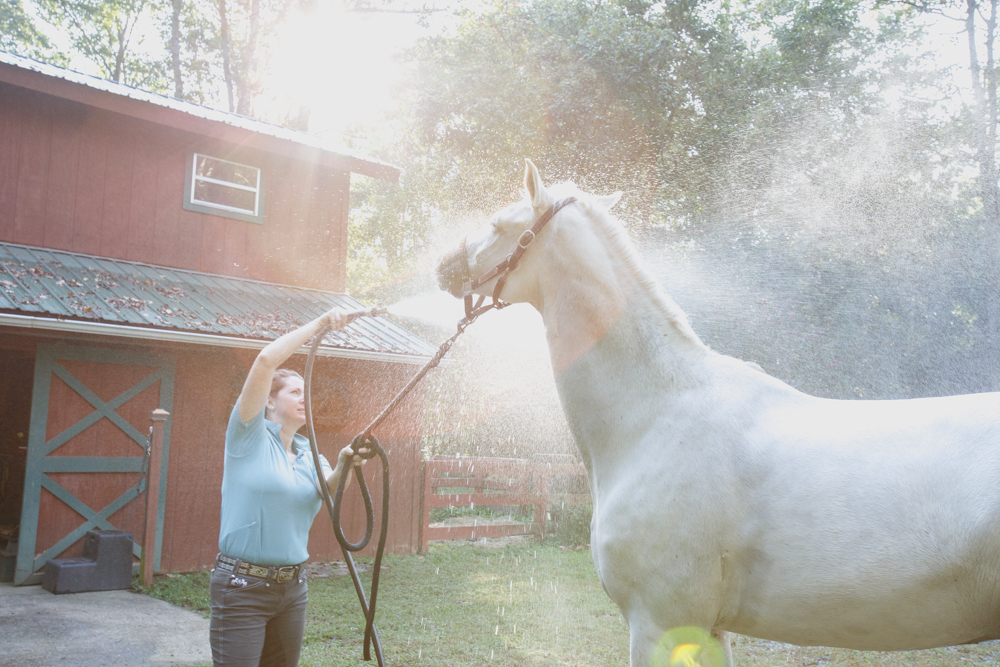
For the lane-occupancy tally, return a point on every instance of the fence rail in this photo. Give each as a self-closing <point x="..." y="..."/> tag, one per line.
<point x="496" y="482"/>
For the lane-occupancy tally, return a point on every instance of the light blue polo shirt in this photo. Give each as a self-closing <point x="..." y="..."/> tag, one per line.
<point x="268" y="502"/>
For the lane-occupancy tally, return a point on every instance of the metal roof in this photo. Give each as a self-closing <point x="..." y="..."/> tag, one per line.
<point x="54" y="289"/>
<point x="205" y="113"/>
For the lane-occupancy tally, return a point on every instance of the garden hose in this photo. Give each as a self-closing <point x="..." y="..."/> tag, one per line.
<point x="363" y="440"/>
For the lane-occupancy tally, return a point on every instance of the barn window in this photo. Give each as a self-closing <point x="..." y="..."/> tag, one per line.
<point x="222" y="187"/>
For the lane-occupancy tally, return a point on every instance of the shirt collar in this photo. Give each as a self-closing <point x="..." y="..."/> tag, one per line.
<point x="300" y="443"/>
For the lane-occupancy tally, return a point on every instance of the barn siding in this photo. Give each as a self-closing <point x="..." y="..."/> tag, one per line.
<point x="206" y="383"/>
<point x="31" y="176"/>
<point x="88" y="204"/>
<point x="10" y="154"/>
<point x="93" y="181"/>
<point x="96" y="182"/>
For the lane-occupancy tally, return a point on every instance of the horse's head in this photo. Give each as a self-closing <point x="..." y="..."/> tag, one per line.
<point x="508" y="233"/>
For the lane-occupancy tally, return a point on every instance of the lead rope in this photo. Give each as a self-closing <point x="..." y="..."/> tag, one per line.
<point x="367" y="439"/>
<point x="362" y="440"/>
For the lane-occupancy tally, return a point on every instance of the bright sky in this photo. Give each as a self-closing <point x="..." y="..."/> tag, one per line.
<point x="342" y="65"/>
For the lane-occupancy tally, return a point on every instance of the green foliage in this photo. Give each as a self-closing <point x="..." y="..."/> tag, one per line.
<point x="253" y="28"/>
<point x="678" y="104"/>
<point x="519" y="514"/>
<point x="185" y="590"/>
<point x="570" y="525"/>
<point x="199" y="50"/>
<point x="103" y="31"/>
<point x="18" y="34"/>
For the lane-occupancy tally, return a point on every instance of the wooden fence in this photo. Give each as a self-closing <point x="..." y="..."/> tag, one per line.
<point x="539" y="483"/>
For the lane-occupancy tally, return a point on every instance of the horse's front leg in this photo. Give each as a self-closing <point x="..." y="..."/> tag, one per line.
<point x="644" y="635"/>
<point x="725" y="639"/>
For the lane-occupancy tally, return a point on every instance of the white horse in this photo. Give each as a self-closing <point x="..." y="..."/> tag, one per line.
<point x="726" y="499"/>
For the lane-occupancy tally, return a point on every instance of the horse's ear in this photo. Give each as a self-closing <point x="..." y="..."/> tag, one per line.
<point x="533" y="184"/>
<point x="608" y="201"/>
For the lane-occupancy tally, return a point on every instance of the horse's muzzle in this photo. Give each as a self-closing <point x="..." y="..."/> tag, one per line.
<point x="453" y="270"/>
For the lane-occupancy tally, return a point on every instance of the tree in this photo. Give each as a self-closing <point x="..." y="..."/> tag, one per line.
<point x="18" y="34"/>
<point x="979" y="22"/>
<point x="103" y="32"/>
<point x="194" y="47"/>
<point x="680" y="104"/>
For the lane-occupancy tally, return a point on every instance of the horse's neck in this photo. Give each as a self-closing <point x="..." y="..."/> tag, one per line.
<point x="621" y="350"/>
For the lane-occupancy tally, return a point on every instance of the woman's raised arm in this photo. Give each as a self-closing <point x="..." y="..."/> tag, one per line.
<point x="257" y="386"/>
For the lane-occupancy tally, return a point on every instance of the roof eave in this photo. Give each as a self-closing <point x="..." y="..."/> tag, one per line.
<point x="58" y="325"/>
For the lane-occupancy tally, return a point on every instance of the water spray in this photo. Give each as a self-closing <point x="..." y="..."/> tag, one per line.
<point x="366" y="439"/>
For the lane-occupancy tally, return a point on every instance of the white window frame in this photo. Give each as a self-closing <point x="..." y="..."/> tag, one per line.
<point x="191" y="203"/>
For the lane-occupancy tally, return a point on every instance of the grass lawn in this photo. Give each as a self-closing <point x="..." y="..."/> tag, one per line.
<point x="528" y="603"/>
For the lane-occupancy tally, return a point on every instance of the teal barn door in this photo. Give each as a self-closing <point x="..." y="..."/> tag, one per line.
<point x="89" y="426"/>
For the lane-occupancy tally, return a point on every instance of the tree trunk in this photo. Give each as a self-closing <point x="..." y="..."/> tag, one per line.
<point x="990" y="187"/>
<point x="120" y="56"/>
<point x="984" y="86"/>
<point x="985" y="95"/>
<point x="248" y="73"/>
<point x="226" y="71"/>
<point x="175" y="48"/>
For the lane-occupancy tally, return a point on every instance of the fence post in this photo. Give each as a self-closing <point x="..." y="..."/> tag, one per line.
<point x="542" y="496"/>
<point x="425" y="518"/>
<point x="158" y="417"/>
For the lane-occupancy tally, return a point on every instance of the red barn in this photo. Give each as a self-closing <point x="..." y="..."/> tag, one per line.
<point x="148" y="249"/>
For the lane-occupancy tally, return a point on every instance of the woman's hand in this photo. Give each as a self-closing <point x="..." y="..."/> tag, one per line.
<point x="348" y="458"/>
<point x="257" y="387"/>
<point x="336" y="318"/>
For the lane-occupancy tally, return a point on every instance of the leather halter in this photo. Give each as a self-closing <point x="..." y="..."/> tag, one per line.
<point x="504" y="268"/>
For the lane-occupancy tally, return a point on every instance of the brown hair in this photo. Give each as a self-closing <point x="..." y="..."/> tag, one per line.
<point x="280" y="378"/>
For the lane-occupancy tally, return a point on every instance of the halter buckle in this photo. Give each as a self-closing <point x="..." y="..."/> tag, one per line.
<point x="525" y="239"/>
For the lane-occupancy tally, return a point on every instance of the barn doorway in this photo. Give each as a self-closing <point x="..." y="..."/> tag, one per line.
<point x="16" y="372"/>
<point x="85" y="463"/>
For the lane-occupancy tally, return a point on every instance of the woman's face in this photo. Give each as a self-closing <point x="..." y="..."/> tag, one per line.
<point x="288" y="407"/>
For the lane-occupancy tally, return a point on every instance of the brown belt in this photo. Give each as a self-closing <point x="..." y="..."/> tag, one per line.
<point x="275" y="573"/>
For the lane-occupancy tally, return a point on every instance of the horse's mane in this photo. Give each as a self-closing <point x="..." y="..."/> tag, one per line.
<point x="621" y="245"/>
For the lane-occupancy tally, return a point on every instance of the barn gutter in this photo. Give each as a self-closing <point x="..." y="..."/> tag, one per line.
<point x="169" y="336"/>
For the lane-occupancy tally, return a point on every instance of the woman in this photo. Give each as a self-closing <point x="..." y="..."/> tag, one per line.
<point x="270" y="496"/>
